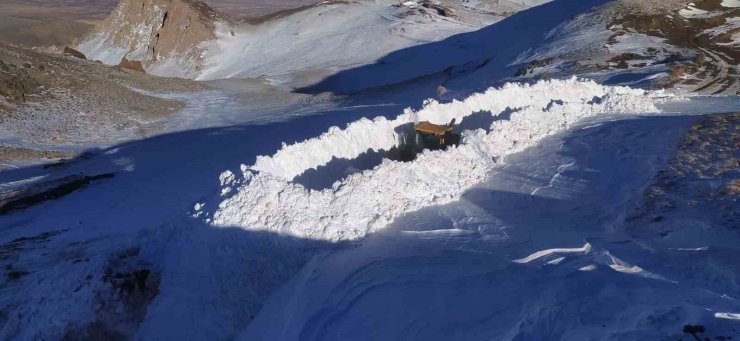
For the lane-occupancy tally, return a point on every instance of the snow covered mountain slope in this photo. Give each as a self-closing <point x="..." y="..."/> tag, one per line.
<point x="322" y="39"/>
<point x="486" y="52"/>
<point x="623" y="42"/>
<point x="348" y="47"/>
<point x="52" y="102"/>
<point x="646" y="44"/>
<point x="298" y="48"/>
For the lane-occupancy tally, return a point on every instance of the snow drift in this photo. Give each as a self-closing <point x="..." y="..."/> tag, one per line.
<point x="264" y="198"/>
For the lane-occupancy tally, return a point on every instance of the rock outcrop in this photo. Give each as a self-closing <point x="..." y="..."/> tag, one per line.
<point x="134" y="65"/>
<point x="68" y="51"/>
<point x="167" y="36"/>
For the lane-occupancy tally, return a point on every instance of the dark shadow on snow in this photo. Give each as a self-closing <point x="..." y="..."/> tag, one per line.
<point x="325" y="176"/>
<point x="491" y="48"/>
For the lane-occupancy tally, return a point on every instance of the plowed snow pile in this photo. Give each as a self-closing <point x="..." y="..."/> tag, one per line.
<point x="264" y="198"/>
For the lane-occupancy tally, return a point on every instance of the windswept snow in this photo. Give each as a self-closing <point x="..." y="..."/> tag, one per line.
<point x="265" y="199"/>
<point x="578" y="277"/>
<point x="326" y="37"/>
<point x="542" y="253"/>
<point x="729" y="316"/>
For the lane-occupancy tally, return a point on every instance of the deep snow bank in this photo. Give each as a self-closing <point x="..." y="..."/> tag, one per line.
<point x="263" y="198"/>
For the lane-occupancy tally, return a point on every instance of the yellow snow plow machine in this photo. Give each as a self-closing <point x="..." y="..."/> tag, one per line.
<point x="423" y="135"/>
<point x="435" y="136"/>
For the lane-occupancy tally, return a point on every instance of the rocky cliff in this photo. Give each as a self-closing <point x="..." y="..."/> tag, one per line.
<point x="166" y="36"/>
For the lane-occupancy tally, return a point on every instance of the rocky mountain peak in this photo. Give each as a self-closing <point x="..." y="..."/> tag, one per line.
<point x="161" y="34"/>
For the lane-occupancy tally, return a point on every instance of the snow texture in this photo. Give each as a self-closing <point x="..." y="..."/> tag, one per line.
<point x="265" y="199"/>
<point x="328" y="36"/>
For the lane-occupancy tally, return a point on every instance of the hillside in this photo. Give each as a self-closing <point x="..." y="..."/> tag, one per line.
<point x="375" y="170"/>
<point x="52" y="102"/>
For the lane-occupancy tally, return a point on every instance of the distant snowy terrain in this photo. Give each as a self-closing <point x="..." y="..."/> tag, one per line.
<point x="297" y="48"/>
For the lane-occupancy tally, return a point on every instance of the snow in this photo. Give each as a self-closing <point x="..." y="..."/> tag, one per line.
<point x="300" y="49"/>
<point x="730" y="3"/>
<point x="691" y="12"/>
<point x="553" y="266"/>
<point x="515" y="234"/>
<point x="348" y="35"/>
<point x="731" y="25"/>
<point x="542" y="253"/>
<point x="578" y="282"/>
<point x="729" y="316"/>
<point x="585" y="33"/>
<point x="97" y="47"/>
<point x="266" y="199"/>
<point x="133" y="44"/>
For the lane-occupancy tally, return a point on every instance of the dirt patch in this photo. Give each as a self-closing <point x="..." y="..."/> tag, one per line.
<point x="47" y="99"/>
<point x="717" y="60"/>
<point x="702" y="177"/>
<point x="9" y="252"/>
<point x="732" y="188"/>
<point x="18" y="154"/>
<point x="20" y="199"/>
<point x="533" y="65"/>
<point x="120" y="305"/>
<point x="68" y="51"/>
<point x="96" y="330"/>
<point x="16" y="82"/>
<point x="134" y="65"/>
<point x="441" y="10"/>
<point x="12" y="274"/>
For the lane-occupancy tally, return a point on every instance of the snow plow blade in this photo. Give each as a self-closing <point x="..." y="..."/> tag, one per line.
<point x="426" y="127"/>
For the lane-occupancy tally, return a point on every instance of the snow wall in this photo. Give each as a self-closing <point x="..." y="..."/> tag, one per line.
<point x="264" y="198"/>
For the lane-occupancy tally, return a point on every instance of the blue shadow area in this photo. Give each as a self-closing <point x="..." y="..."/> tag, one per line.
<point x="491" y="49"/>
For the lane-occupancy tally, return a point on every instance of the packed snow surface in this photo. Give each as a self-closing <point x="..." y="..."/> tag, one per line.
<point x="264" y="198"/>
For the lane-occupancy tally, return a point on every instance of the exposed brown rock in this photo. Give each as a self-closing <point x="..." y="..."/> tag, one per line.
<point x="15" y="154"/>
<point x="154" y="30"/>
<point x="677" y="72"/>
<point x="73" y="100"/>
<point x="16" y="83"/>
<point x="732" y="188"/>
<point x="441" y="10"/>
<point x="131" y="65"/>
<point x="662" y="19"/>
<point x="699" y="60"/>
<point x="68" y="51"/>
